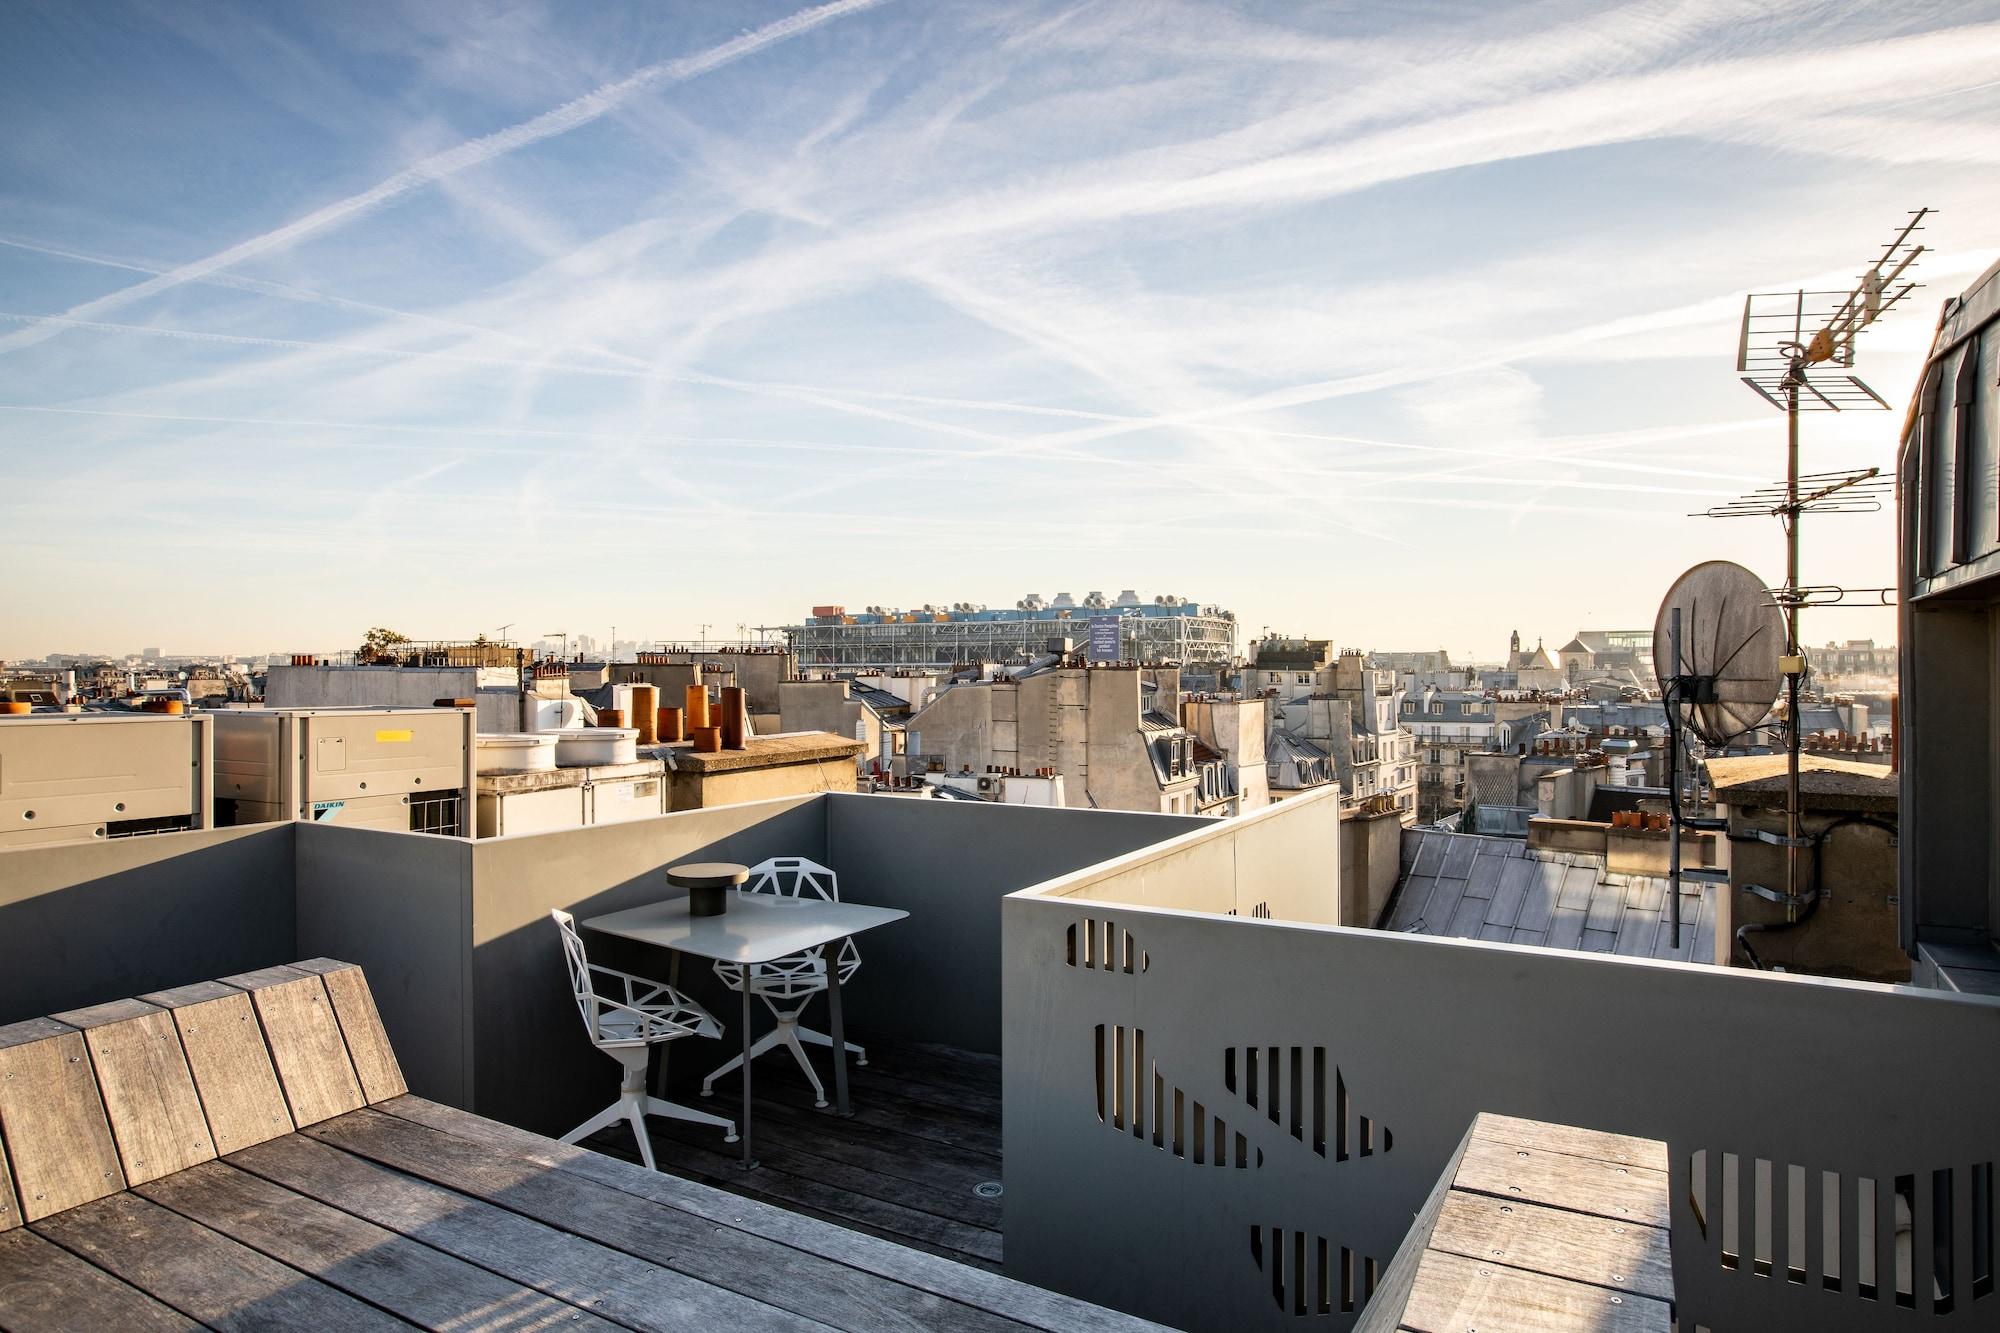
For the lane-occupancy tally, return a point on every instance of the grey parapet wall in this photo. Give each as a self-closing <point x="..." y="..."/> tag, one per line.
<point x="1798" y="1105"/>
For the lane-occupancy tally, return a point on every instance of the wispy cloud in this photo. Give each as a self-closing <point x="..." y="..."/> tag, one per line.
<point x="1285" y="309"/>
<point x="571" y="115"/>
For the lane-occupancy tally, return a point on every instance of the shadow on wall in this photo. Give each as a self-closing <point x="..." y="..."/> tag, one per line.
<point x="84" y="923"/>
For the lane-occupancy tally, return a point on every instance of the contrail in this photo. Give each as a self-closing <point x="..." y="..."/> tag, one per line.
<point x="570" y="115"/>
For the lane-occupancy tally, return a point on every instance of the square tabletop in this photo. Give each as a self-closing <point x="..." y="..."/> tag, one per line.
<point x="757" y="928"/>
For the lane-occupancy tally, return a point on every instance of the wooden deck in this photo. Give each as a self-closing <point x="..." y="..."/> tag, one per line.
<point x="1537" y="1227"/>
<point x="924" y="1135"/>
<point x="242" y="1156"/>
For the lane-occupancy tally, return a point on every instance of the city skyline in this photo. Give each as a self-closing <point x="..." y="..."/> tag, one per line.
<point x="1407" y="327"/>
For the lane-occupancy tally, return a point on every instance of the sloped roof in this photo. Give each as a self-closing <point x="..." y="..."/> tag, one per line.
<point x="1463" y="886"/>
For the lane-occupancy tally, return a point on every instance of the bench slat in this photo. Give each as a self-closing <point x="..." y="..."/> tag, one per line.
<point x="53" y="1119"/>
<point x="46" y="1288"/>
<point x="630" y="1290"/>
<point x="1035" y="1306"/>
<point x="361" y="1024"/>
<point x="10" y="1206"/>
<point x="148" y="1091"/>
<point x="231" y="1064"/>
<point x="830" y="1292"/>
<point x="207" y="1277"/>
<point x="305" y="1041"/>
<point x="412" y="1280"/>
<point x="1453" y="1292"/>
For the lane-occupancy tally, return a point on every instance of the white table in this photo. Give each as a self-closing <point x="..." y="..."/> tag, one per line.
<point x="757" y="928"/>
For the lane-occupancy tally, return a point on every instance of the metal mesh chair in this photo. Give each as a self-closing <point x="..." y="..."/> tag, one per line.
<point x="626" y="1028"/>
<point x="787" y="985"/>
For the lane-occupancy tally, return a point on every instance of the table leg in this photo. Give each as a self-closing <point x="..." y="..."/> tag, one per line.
<point x="839" y="1027"/>
<point x="749" y="1162"/>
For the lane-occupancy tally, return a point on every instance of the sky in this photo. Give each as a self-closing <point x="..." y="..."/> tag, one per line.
<point x="1402" y="324"/>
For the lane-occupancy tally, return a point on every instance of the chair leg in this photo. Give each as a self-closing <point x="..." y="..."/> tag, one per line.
<point x="735" y="1062"/>
<point x="792" y="1034"/>
<point x="635" y="1111"/>
<point x="630" y="1106"/>
<point x="821" y="1039"/>
<point x="675" y="1111"/>
<point x="610" y="1115"/>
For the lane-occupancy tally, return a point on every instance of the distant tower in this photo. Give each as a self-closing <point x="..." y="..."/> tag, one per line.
<point x="1514" y="648"/>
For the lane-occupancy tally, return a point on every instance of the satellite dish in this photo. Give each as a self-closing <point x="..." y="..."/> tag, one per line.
<point x="1731" y="636"/>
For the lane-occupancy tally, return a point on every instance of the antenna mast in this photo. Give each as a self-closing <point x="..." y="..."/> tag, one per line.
<point x="1788" y="342"/>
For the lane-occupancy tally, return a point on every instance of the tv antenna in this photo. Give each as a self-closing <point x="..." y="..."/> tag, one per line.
<point x="1792" y="352"/>
<point x="1716" y="647"/>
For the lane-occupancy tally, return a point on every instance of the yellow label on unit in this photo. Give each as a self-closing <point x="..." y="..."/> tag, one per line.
<point x="392" y="737"/>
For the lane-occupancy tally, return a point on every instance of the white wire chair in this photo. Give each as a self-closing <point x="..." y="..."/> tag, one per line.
<point x="644" y="1014"/>
<point x="787" y="985"/>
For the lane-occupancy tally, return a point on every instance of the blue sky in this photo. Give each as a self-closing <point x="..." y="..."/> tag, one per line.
<point x="1405" y="324"/>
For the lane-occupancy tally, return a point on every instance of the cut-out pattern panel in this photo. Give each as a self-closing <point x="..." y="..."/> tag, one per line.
<point x="1290" y="1085"/>
<point x="1103" y="946"/>
<point x="1310" y="1275"/>
<point x="1921" y="1240"/>
<point x="1134" y="1097"/>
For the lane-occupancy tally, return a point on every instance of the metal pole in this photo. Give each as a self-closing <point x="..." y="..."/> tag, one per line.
<point x="1792" y="648"/>
<point x="1674" y="777"/>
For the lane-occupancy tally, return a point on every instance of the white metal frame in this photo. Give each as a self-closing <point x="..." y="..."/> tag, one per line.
<point x="787" y="985"/>
<point x="646" y="1013"/>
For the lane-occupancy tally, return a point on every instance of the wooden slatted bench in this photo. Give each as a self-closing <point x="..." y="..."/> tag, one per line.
<point x="1536" y="1226"/>
<point x="244" y="1153"/>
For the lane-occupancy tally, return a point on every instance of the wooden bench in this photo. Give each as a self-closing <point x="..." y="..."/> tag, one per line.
<point x="245" y="1153"/>
<point x="1536" y="1226"/>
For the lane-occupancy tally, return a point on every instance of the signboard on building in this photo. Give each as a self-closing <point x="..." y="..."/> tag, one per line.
<point x="1104" y="639"/>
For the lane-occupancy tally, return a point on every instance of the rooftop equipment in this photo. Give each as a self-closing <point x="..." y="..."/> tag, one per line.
<point x="408" y="769"/>
<point x="1789" y="344"/>
<point x="1721" y="638"/>
<point x="85" y="776"/>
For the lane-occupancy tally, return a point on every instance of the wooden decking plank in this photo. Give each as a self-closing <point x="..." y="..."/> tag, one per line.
<point x="1625" y="1256"/>
<point x="52" y="1119"/>
<point x="148" y="1091"/>
<point x="890" y="1072"/>
<point x="46" y="1288"/>
<point x="1623" y="1194"/>
<point x="882" y="1166"/>
<point x="306" y="1046"/>
<point x="205" y="1276"/>
<point x="1623" y="1149"/>
<point x="426" y="1286"/>
<point x="1453" y="1294"/>
<point x="788" y="1175"/>
<point x="742" y="1262"/>
<point x="961" y="1130"/>
<point x="869" y="1146"/>
<point x="885" y="1110"/>
<point x="746" y="1187"/>
<point x="361" y="1024"/>
<point x="1017" y="1300"/>
<point x="575" y="1269"/>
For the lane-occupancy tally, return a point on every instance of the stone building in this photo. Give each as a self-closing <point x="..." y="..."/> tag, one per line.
<point x="1111" y="731"/>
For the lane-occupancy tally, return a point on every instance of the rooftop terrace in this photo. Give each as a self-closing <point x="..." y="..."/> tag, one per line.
<point x="1192" y="1050"/>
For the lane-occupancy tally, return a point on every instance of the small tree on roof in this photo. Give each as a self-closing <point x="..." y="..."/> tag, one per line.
<point x="378" y="642"/>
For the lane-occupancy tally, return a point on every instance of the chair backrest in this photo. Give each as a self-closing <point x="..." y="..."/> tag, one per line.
<point x="791" y="876"/>
<point x="579" y="968"/>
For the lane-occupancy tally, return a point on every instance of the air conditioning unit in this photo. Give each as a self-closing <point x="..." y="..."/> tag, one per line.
<point x="79" y="777"/>
<point x="408" y="769"/>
